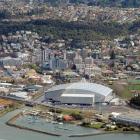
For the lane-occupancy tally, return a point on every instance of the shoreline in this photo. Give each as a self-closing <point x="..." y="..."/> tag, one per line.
<point x="11" y="123"/>
<point x="33" y="130"/>
<point x="105" y="133"/>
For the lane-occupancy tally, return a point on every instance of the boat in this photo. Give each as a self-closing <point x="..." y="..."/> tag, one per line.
<point x="60" y="123"/>
<point x="54" y="122"/>
<point x="48" y="121"/>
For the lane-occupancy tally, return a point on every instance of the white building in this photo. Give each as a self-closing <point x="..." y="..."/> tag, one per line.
<point x="93" y="71"/>
<point x="20" y="94"/>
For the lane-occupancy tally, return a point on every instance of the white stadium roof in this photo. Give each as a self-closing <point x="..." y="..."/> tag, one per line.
<point x="85" y="86"/>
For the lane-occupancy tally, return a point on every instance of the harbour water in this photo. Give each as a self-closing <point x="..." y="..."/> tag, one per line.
<point x="11" y="133"/>
<point x="50" y="127"/>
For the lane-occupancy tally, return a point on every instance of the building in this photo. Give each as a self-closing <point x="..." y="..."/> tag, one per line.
<point x="9" y="61"/>
<point x="93" y="71"/>
<point x="78" y="61"/>
<point x="36" y="57"/>
<point x="89" y="61"/>
<point x="79" y="93"/>
<point x="84" y="53"/>
<point x="125" y="120"/>
<point x="96" y="54"/>
<point x="20" y="95"/>
<point x="57" y="63"/>
<point x="46" y="54"/>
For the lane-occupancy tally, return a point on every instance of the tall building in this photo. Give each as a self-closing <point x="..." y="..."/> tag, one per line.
<point x="58" y="63"/>
<point x="84" y="53"/>
<point x="88" y="65"/>
<point x="46" y="54"/>
<point x="78" y="61"/>
<point x="65" y="55"/>
<point x="37" y="56"/>
<point x="88" y="61"/>
<point x="70" y="55"/>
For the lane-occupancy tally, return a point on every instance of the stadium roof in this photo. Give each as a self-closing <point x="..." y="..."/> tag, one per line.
<point x="85" y="86"/>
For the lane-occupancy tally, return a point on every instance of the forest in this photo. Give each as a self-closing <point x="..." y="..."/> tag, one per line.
<point x="72" y="30"/>
<point x="117" y="3"/>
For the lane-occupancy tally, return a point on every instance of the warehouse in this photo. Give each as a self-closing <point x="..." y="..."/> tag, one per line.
<point x="79" y="93"/>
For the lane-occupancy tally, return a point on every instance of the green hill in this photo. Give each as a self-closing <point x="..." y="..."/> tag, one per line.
<point x="118" y="3"/>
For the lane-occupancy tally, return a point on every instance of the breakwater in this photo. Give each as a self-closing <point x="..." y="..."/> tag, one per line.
<point x="11" y="123"/>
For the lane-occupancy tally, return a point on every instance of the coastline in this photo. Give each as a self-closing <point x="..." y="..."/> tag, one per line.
<point x="105" y="133"/>
<point x="11" y="123"/>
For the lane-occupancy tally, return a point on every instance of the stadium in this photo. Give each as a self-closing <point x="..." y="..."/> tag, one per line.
<point x="80" y="93"/>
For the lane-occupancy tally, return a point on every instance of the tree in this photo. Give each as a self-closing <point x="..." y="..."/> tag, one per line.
<point x="112" y="55"/>
<point x="77" y="116"/>
<point x="73" y="67"/>
<point x="135" y="101"/>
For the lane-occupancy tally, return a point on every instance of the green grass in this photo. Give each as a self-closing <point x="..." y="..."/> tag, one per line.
<point x="134" y="87"/>
<point x="96" y="125"/>
<point x="64" y="111"/>
<point x="70" y="111"/>
<point x="126" y="94"/>
<point x="134" y="81"/>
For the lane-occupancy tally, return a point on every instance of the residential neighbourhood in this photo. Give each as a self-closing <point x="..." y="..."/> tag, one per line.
<point x="69" y="70"/>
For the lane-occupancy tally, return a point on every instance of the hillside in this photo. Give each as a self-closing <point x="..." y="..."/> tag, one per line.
<point x="118" y="3"/>
<point x="73" y="30"/>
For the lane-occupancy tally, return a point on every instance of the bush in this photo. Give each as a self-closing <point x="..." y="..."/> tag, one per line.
<point x="127" y="129"/>
<point x="86" y="124"/>
<point x="53" y="110"/>
<point x="76" y="116"/>
<point x="132" y="129"/>
<point x="135" y="100"/>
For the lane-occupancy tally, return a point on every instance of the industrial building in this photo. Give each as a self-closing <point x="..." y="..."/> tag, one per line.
<point x="79" y="93"/>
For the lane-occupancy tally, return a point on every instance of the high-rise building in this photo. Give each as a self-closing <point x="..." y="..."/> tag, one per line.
<point x="58" y="63"/>
<point x="37" y="56"/>
<point x="46" y="54"/>
<point x="78" y="59"/>
<point x="89" y="61"/>
<point x="84" y="53"/>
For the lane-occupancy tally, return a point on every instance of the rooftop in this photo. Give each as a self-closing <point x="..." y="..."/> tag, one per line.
<point x="84" y="85"/>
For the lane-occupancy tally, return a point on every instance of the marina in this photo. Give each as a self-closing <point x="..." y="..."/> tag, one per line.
<point x="10" y="133"/>
<point x="53" y="127"/>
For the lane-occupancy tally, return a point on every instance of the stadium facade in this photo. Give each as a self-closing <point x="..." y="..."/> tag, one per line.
<point x="80" y="93"/>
